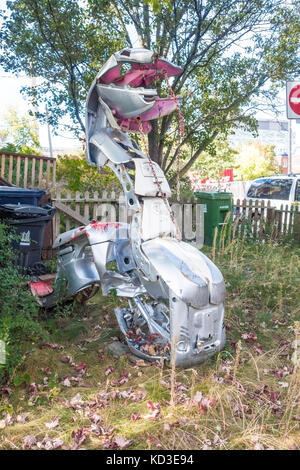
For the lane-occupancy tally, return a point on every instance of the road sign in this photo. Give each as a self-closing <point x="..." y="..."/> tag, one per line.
<point x="293" y="100"/>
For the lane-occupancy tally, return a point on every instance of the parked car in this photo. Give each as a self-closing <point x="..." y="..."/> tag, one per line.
<point x="278" y="189"/>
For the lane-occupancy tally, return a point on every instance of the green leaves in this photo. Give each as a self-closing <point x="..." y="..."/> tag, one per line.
<point x="255" y="159"/>
<point x="78" y="175"/>
<point x="217" y="157"/>
<point x="58" y="41"/>
<point x="22" y="131"/>
<point x="18" y="310"/>
<point x="21" y="378"/>
<point x="231" y="52"/>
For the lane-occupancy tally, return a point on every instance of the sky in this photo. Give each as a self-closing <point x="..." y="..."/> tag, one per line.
<point x="10" y="96"/>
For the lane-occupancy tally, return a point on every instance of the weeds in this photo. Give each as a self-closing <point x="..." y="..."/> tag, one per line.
<point x="18" y="310"/>
<point x="246" y="397"/>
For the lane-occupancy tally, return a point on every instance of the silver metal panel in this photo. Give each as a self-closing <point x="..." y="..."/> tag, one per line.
<point x="175" y="293"/>
<point x="145" y="184"/>
<point x="126" y="100"/>
<point x="109" y="148"/>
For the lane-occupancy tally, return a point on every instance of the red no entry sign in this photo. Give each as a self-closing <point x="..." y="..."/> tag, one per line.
<point x="293" y="100"/>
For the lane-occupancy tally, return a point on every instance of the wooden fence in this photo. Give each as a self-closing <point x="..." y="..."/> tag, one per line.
<point x="252" y="219"/>
<point x="255" y="219"/>
<point x="28" y="171"/>
<point x="74" y="210"/>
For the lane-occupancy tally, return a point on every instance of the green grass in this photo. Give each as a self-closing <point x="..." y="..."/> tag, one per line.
<point x="253" y="405"/>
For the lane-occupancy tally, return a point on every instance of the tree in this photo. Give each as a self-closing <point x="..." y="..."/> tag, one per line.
<point x="78" y="175"/>
<point x="234" y="54"/>
<point x="255" y="159"/>
<point x="215" y="159"/>
<point x="20" y="134"/>
<point x="62" y="43"/>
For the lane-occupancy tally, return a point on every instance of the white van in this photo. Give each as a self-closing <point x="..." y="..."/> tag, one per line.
<point x="278" y="189"/>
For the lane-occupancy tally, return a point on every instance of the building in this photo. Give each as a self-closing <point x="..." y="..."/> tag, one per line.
<point x="271" y="132"/>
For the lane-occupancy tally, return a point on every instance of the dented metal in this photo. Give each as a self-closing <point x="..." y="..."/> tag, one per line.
<point x="176" y="294"/>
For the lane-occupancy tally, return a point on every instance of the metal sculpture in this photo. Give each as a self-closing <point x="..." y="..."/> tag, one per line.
<point x="175" y="293"/>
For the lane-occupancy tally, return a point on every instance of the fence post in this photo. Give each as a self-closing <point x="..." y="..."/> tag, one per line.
<point x="54" y="173"/>
<point x="95" y="204"/>
<point x="297" y="225"/>
<point x="10" y="171"/>
<point x="56" y="222"/>
<point x="262" y="219"/>
<point x="3" y="159"/>
<point x="18" y="174"/>
<point x="25" y="172"/>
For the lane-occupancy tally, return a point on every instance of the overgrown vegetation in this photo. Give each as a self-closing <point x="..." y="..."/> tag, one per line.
<point x="249" y="161"/>
<point x="247" y="397"/>
<point x="77" y="175"/>
<point x="256" y="159"/>
<point x="19" y="328"/>
<point x="215" y="160"/>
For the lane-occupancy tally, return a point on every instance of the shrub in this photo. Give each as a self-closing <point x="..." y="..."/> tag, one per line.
<point x="18" y="309"/>
<point x="78" y="175"/>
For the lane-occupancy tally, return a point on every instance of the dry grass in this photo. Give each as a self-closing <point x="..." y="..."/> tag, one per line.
<point x="247" y="397"/>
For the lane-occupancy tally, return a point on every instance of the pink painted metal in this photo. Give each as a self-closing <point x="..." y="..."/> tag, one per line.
<point x="40" y="289"/>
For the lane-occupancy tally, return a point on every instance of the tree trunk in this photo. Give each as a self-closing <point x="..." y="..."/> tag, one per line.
<point x="153" y="141"/>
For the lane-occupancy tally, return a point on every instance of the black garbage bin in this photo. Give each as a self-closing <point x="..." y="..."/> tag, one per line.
<point x="11" y="195"/>
<point x="29" y="224"/>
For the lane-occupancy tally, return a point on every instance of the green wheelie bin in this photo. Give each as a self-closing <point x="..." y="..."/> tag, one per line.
<point x="216" y="206"/>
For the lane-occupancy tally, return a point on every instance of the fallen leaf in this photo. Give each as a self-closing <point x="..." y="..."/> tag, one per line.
<point x="154" y="409"/>
<point x="29" y="441"/>
<point x="151" y="350"/>
<point x="259" y="446"/>
<point x="95" y="418"/>
<point x="81" y="367"/>
<point x="249" y="337"/>
<point x="109" y="370"/>
<point x="79" y="437"/>
<point x="53" y="424"/>
<point x="22" y="418"/>
<point x="52" y="444"/>
<point x="135" y="416"/>
<point x="141" y="363"/>
<point x="34" y="389"/>
<point x="68" y="360"/>
<point x="9" y="420"/>
<point x="53" y="345"/>
<point x="122" y="442"/>
<point x="283" y="384"/>
<point x="66" y="382"/>
<point x="100" y="355"/>
<point x="76" y="400"/>
<point x="197" y="397"/>
<point x="152" y="440"/>
<point x="5" y="390"/>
